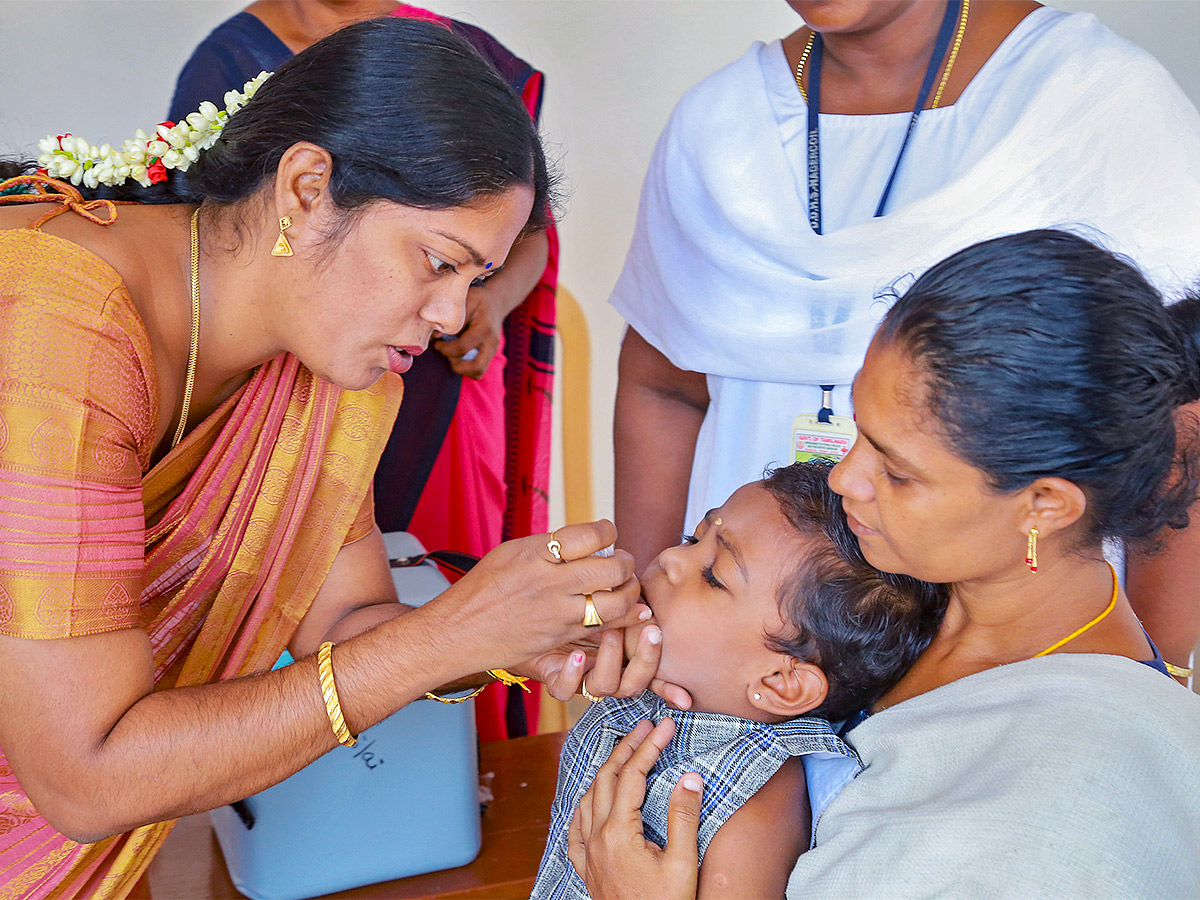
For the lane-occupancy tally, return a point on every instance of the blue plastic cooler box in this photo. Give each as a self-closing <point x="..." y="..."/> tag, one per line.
<point x="403" y="802"/>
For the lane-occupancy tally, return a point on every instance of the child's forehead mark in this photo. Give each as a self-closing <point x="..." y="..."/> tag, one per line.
<point x="724" y="543"/>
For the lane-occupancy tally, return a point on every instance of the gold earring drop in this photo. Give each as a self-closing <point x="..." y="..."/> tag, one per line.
<point x="282" y="247"/>
<point x="1031" y="553"/>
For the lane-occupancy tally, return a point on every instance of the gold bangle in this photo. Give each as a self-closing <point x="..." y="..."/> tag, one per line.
<point x="430" y="695"/>
<point x="501" y="675"/>
<point x="329" y="690"/>
<point x="1177" y="671"/>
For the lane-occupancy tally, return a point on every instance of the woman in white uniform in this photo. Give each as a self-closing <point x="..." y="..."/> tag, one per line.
<point x="763" y="243"/>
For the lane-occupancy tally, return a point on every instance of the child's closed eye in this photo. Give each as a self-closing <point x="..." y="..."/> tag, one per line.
<point x="711" y="578"/>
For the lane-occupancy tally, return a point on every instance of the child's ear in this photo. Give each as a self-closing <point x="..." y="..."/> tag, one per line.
<point x="791" y="690"/>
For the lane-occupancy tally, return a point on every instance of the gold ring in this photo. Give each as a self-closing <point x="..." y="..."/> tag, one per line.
<point x="591" y="618"/>
<point x="583" y="689"/>
<point x="554" y="547"/>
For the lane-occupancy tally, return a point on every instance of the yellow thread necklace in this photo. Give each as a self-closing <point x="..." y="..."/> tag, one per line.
<point x="1096" y="621"/>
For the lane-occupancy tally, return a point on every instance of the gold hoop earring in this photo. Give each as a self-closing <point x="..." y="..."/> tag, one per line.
<point x="1031" y="553"/>
<point x="282" y="247"/>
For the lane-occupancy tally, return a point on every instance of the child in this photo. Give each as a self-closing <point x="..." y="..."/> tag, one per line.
<point x="776" y="625"/>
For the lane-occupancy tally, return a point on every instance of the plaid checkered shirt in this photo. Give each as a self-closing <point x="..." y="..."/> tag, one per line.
<point x="734" y="756"/>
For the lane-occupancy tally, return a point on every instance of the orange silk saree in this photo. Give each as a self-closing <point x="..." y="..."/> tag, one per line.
<point x="216" y="552"/>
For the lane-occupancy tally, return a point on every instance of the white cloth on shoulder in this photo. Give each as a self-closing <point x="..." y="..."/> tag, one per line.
<point x="1069" y="776"/>
<point x="1066" y="125"/>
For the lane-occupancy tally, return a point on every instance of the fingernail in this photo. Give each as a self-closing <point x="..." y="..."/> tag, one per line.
<point x="577" y="659"/>
<point x="654" y="635"/>
<point x="691" y="782"/>
<point x="645" y="613"/>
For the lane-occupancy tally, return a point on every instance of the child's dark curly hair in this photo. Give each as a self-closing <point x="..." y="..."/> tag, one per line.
<point x="863" y="627"/>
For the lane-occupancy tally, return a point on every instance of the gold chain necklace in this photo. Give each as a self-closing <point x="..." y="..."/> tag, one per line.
<point x="937" y="98"/>
<point x="1096" y="621"/>
<point x="195" y="350"/>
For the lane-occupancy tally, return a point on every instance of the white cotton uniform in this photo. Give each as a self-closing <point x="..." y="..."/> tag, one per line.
<point x="726" y="277"/>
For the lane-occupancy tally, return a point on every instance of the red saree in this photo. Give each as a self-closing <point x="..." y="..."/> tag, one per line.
<point x="490" y="479"/>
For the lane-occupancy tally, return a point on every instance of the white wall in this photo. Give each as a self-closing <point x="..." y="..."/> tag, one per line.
<point x="102" y="68"/>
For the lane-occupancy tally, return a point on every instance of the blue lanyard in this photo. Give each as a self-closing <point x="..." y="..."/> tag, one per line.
<point x="826" y="409"/>
<point x="814" y="106"/>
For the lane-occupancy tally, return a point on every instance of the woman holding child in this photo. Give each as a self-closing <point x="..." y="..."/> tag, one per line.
<point x="1037" y="746"/>
<point x="193" y="400"/>
<point x="793" y="185"/>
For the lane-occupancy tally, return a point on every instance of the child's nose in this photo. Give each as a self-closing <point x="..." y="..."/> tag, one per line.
<point x="671" y="563"/>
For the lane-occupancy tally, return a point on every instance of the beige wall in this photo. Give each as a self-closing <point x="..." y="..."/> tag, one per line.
<point x="614" y="70"/>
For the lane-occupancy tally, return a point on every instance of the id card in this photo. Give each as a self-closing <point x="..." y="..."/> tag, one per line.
<point x="814" y="439"/>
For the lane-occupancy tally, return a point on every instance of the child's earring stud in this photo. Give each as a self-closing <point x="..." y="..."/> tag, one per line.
<point x="717" y="520"/>
<point x="757" y="695"/>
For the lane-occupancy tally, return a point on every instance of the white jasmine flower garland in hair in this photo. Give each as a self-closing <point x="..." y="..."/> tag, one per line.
<point x="143" y="158"/>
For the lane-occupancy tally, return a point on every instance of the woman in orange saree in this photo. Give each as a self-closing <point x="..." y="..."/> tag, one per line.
<point x="238" y="521"/>
<point x="473" y="467"/>
<point x="148" y="584"/>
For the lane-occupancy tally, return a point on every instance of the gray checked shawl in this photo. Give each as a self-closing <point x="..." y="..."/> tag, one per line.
<point x="734" y="756"/>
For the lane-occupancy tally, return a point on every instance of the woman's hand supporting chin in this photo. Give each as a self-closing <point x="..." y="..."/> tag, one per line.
<point x="607" y="844"/>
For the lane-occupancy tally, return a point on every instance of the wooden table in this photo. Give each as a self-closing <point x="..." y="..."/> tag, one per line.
<point x="515" y="824"/>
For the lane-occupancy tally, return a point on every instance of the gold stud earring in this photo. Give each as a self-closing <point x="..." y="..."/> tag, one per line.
<point x="282" y="247"/>
<point x="1031" y="553"/>
<point x="717" y="520"/>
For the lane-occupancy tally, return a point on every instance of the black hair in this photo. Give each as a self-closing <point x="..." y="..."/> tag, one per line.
<point x="1042" y="354"/>
<point x="863" y="627"/>
<point x="409" y="111"/>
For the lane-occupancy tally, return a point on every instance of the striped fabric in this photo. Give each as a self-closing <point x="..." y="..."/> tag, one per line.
<point x="734" y="756"/>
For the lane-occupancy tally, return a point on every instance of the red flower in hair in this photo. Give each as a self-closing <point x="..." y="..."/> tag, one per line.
<point x="156" y="172"/>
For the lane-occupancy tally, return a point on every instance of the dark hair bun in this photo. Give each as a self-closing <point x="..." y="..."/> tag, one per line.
<point x="409" y="111"/>
<point x="1186" y="316"/>
<point x="1046" y="355"/>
